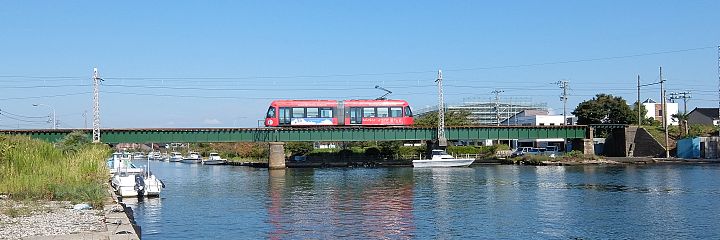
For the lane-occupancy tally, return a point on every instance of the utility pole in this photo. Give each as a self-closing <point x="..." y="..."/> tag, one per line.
<point x="442" y="141"/>
<point x="638" y="103"/>
<point x="664" y="114"/>
<point x="564" y="86"/>
<point x="681" y="95"/>
<point x="54" y="118"/>
<point x="497" y="105"/>
<point x="96" y="105"/>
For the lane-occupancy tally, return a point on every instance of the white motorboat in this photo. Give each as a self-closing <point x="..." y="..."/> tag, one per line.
<point x="128" y="184"/>
<point x="175" y="157"/>
<point x="129" y="180"/>
<point x="122" y="162"/>
<point x="152" y="185"/>
<point x="441" y="159"/>
<point x="136" y="184"/>
<point x="139" y="156"/>
<point x="155" y="156"/>
<point x="214" y="159"/>
<point x="192" y="157"/>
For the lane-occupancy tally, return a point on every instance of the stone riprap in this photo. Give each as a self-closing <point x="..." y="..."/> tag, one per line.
<point x="22" y="219"/>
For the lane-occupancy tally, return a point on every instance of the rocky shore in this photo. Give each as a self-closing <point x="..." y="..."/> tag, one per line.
<point x="21" y="219"/>
<point x="59" y="220"/>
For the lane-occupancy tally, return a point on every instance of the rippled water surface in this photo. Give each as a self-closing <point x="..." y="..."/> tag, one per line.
<point x="487" y="202"/>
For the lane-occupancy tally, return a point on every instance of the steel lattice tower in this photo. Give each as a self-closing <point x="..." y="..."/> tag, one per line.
<point x="96" y="105"/>
<point x="442" y="141"/>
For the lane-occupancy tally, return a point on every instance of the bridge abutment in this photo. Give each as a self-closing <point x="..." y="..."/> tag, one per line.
<point x="276" y="160"/>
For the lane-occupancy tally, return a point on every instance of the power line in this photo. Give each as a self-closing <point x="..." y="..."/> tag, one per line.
<point x="46" y="96"/>
<point x="231" y="97"/>
<point x="22" y="116"/>
<point x="373" y="74"/>
<point x="22" y="120"/>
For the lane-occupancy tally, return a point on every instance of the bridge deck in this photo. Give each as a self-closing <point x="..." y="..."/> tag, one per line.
<point x="146" y="135"/>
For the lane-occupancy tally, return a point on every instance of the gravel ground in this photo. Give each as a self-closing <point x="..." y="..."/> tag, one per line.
<point x="20" y="219"/>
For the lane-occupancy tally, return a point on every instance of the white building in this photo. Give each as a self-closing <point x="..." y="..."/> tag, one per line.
<point x="537" y="118"/>
<point x="654" y="110"/>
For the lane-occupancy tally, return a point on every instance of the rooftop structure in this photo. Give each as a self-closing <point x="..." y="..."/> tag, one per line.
<point x="491" y="112"/>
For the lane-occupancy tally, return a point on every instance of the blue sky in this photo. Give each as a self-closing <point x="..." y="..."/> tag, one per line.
<point x="220" y="63"/>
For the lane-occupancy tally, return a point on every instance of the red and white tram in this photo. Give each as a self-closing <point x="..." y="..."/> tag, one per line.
<point x="297" y="113"/>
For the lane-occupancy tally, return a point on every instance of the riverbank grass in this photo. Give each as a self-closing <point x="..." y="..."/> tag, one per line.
<point x="32" y="169"/>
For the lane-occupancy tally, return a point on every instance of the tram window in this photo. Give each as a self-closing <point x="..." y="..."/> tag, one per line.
<point x="326" y="113"/>
<point x="271" y="112"/>
<point x="382" y="112"/>
<point x="408" y="113"/>
<point x="395" y="112"/>
<point x="298" y="112"/>
<point x="369" y="112"/>
<point x="312" y="112"/>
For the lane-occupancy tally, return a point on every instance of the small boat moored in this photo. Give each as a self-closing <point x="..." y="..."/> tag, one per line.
<point x="214" y="159"/>
<point x="175" y="157"/>
<point x="441" y="159"/>
<point x="129" y="180"/>
<point x="192" y="157"/>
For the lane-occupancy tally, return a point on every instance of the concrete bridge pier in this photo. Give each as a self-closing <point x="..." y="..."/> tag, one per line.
<point x="276" y="160"/>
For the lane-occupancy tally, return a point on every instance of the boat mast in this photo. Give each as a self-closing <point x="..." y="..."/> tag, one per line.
<point x="442" y="141"/>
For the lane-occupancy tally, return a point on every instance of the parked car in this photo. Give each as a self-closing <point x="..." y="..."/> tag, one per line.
<point x="552" y="151"/>
<point x="521" y="151"/>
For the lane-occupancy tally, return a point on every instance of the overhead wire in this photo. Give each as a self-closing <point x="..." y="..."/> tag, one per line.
<point x="377" y="74"/>
<point x="21" y="120"/>
<point x="22" y="116"/>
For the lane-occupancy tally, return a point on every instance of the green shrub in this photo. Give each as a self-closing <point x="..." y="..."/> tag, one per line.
<point x="372" y="151"/>
<point x="35" y="169"/>
<point x="411" y="150"/>
<point x="299" y="148"/>
<point x="574" y="154"/>
<point x="536" y="160"/>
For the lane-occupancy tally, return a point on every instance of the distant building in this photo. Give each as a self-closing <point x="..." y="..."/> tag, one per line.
<point x="703" y="116"/>
<point x="654" y="110"/>
<point x="489" y="112"/>
<point x="537" y="118"/>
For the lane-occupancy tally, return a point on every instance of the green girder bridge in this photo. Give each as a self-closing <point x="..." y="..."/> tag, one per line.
<point x="157" y="135"/>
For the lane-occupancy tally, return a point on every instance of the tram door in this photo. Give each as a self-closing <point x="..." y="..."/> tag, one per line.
<point x="284" y="116"/>
<point x="355" y="115"/>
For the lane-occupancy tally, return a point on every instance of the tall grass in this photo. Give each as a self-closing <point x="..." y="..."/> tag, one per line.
<point x="35" y="169"/>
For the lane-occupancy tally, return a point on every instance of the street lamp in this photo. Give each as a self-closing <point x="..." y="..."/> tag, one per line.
<point x="54" y="120"/>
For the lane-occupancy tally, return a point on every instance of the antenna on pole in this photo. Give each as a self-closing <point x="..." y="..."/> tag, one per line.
<point x="96" y="105"/>
<point x="564" y="86"/>
<point x="442" y="141"/>
<point x="383" y="97"/>
<point x="497" y="105"/>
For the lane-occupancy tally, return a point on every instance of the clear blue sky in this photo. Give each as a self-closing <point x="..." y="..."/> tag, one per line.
<point x="220" y="63"/>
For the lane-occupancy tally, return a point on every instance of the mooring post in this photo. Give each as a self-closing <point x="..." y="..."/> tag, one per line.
<point x="276" y="160"/>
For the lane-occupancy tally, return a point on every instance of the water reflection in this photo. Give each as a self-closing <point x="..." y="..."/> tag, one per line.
<point x="150" y="210"/>
<point x="480" y="202"/>
<point x="340" y="203"/>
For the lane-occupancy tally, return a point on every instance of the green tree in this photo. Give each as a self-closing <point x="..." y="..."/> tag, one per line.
<point x="73" y="142"/>
<point x="299" y="148"/>
<point x="452" y="118"/>
<point x="643" y="112"/>
<point x="389" y="148"/>
<point x="604" y="108"/>
<point x="682" y="121"/>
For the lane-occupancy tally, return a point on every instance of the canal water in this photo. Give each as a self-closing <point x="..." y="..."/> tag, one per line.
<point x="479" y="202"/>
